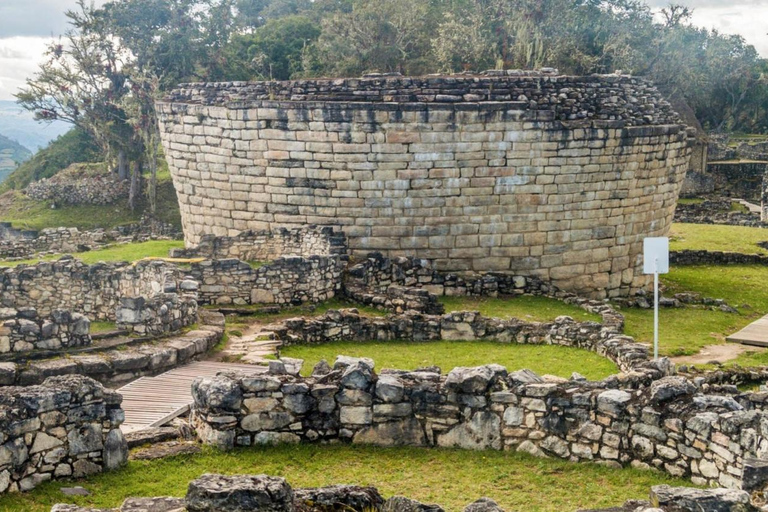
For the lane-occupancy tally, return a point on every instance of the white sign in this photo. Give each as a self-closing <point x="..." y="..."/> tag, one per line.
<point x="656" y="255"/>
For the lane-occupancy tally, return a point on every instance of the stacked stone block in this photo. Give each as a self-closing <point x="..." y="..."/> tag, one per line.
<point x="92" y="290"/>
<point x="66" y="427"/>
<point x="669" y="425"/>
<point x="264" y="246"/>
<point x="158" y="315"/>
<point x="24" y="330"/>
<point x="558" y="178"/>
<point x="284" y="281"/>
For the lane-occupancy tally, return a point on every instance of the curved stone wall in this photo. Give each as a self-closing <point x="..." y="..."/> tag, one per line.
<point x="554" y="177"/>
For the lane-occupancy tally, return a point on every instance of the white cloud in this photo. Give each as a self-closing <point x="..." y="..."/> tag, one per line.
<point x="19" y="59"/>
<point x="744" y="17"/>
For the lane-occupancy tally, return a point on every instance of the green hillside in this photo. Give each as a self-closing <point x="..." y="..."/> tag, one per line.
<point x="11" y="155"/>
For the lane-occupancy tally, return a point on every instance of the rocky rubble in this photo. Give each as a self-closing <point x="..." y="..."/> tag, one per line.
<point x="262" y="493"/>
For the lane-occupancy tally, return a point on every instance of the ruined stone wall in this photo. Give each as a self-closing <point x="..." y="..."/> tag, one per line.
<point x="264" y="246"/>
<point x="92" y="290"/>
<point x="284" y="281"/>
<point x="669" y="425"/>
<point x="65" y="427"/>
<point x="24" y="330"/>
<point x="558" y="178"/>
<point x="741" y="179"/>
<point x="157" y="315"/>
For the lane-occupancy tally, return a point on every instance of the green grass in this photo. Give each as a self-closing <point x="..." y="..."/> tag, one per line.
<point x="409" y="355"/>
<point x="122" y="252"/>
<point x="98" y="327"/>
<point x="684" y="331"/>
<point x="25" y="213"/>
<point x="718" y="238"/>
<point x="451" y="478"/>
<point x="690" y="200"/>
<point x="738" y="207"/>
<point x="524" y="307"/>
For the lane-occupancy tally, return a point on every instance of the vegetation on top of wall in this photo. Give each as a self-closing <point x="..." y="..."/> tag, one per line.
<point x="712" y="237"/>
<point x="121" y="252"/>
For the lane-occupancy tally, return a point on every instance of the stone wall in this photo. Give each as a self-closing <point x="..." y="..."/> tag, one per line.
<point x="80" y="184"/>
<point x="117" y="367"/>
<point x="689" y="257"/>
<point x="160" y="314"/>
<point x="24" y="330"/>
<point x="284" y="281"/>
<point x="92" y="290"/>
<point x="741" y="179"/>
<point x="716" y="210"/>
<point x="237" y="493"/>
<point x="65" y="427"/>
<point x="558" y="178"/>
<point x="669" y="425"/>
<point x="349" y="325"/>
<point x="268" y="245"/>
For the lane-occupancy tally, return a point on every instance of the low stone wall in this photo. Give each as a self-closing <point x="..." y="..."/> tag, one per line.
<point x="738" y="178"/>
<point x="92" y="290"/>
<point x="67" y="426"/>
<point x="161" y="314"/>
<point x="117" y="367"/>
<point x="393" y="284"/>
<point x="349" y="325"/>
<point x="715" y="211"/>
<point x="284" y="281"/>
<point x="91" y="188"/>
<point x="14" y="246"/>
<point x="688" y="257"/>
<point x="24" y="330"/>
<point x="668" y="425"/>
<point x="237" y="493"/>
<point x="269" y="245"/>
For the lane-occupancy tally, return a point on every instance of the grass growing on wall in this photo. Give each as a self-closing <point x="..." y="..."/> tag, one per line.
<point x="451" y="478"/>
<point x="710" y="237"/>
<point x="121" y="252"/>
<point x="409" y="355"/>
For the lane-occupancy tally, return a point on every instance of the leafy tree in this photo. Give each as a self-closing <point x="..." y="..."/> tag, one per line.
<point x="273" y="51"/>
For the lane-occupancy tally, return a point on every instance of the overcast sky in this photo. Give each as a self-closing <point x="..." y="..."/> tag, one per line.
<point x="27" y="25"/>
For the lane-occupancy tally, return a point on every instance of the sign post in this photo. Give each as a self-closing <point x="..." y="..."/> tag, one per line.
<point x="656" y="261"/>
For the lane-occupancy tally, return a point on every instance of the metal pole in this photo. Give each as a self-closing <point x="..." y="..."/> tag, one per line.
<point x="656" y="312"/>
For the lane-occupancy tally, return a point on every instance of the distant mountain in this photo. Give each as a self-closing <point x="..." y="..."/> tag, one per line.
<point x="20" y="125"/>
<point x="11" y="155"/>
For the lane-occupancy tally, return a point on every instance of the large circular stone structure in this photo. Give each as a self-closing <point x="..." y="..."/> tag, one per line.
<point x="523" y="173"/>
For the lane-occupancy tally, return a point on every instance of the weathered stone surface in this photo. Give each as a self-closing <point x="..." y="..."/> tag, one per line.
<point x="340" y="497"/>
<point x="686" y="499"/>
<point x="407" y="432"/>
<point x="244" y="493"/>
<point x="483" y="505"/>
<point x="481" y="432"/>
<point x="670" y="388"/>
<point x="401" y="504"/>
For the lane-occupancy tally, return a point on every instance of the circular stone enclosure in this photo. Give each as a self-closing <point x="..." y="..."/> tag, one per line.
<point x="559" y="178"/>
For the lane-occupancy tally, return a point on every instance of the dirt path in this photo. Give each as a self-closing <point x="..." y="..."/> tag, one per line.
<point x="717" y="353"/>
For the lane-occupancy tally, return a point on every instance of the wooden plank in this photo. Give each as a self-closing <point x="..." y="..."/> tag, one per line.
<point x="755" y="334"/>
<point x="154" y="401"/>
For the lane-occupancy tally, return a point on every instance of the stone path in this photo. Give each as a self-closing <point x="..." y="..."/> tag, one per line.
<point x="753" y="208"/>
<point x="755" y="333"/>
<point x="255" y="346"/>
<point x="716" y="354"/>
<point x="154" y="401"/>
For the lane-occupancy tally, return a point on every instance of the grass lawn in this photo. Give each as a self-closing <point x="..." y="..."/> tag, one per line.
<point x="524" y="307"/>
<point x="684" y="331"/>
<point x="99" y="327"/>
<point x="409" y="355"/>
<point x="121" y="252"/>
<point x="717" y="238"/>
<point x="451" y="478"/>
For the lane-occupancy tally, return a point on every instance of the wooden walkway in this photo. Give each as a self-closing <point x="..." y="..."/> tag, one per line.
<point x="755" y="333"/>
<point x="154" y="401"/>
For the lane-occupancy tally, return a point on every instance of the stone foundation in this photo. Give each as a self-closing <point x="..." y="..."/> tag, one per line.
<point x="265" y="246"/>
<point x="65" y="427"/>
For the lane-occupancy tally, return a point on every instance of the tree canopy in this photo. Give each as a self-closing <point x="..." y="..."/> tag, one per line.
<point x="117" y="59"/>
